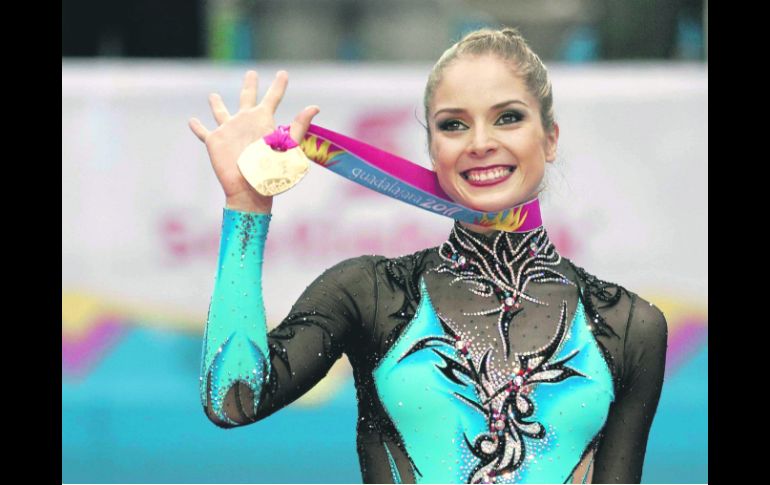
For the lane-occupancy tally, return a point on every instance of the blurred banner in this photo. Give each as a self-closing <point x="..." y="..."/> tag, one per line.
<point x="141" y="219"/>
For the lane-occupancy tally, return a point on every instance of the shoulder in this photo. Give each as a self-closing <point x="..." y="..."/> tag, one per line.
<point x="647" y="333"/>
<point x="361" y="263"/>
<point x="607" y="304"/>
<point x="644" y="350"/>
<point x="647" y="314"/>
<point x="350" y="272"/>
<point x="636" y="311"/>
<point x="638" y="323"/>
<point x="640" y="326"/>
<point x="371" y="267"/>
<point x="404" y="267"/>
<point x="399" y="274"/>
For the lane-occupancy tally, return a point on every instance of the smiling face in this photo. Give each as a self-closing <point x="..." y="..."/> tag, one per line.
<point x="474" y="126"/>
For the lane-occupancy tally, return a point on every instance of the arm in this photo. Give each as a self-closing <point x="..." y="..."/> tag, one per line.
<point x="620" y="457"/>
<point x="246" y="373"/>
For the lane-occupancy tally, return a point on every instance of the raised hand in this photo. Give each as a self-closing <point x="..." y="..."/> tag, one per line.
<point x="235" y="132"/>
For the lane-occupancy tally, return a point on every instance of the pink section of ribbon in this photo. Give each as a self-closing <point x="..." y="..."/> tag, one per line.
<point x="522" y="218"/>
<point x="400" y="168"/>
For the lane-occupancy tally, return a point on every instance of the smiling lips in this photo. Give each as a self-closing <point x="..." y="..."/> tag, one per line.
<point x="488" y="175"/>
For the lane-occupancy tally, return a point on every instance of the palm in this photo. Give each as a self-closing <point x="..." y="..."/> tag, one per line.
<point x="226" y="145"/>
<point x="236" y="132"/>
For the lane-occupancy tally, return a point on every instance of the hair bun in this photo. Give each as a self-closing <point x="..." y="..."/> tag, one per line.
<point x="511" y="32"/>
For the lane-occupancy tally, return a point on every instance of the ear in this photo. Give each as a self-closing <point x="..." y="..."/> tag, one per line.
<point x="552" y="140"/>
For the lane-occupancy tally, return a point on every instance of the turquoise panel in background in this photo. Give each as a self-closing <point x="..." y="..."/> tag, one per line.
<point x="136" y="417"/>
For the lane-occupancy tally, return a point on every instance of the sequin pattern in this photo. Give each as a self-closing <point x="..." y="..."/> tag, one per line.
<point x="505" y="268"/>
<point x="490" y="416"/>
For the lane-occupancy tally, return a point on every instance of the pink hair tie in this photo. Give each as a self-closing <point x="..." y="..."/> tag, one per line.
<point x="280" y="140"/>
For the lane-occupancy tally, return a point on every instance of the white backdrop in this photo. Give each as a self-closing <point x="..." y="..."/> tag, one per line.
<point x="142" y="208"/>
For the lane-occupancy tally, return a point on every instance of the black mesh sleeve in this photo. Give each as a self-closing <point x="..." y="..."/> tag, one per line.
<point x="620" y="456"/>
<point x="253" y="374"/>
<point x="322" y="325"/>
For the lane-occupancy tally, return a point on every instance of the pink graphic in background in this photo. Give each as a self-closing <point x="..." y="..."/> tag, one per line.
<point x="562" y="237"/>
<point x="686" y="337"/>
<point x="181" y="240"/>
<point x="80" y="352"/>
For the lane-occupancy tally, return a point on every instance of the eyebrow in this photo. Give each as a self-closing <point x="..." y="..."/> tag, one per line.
<point x="497" y="106"/>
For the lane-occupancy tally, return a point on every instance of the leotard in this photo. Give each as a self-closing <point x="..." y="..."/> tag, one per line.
<point x="487" y="359"/>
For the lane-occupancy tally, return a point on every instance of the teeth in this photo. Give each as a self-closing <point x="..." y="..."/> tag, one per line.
<point x="488" y="174"/>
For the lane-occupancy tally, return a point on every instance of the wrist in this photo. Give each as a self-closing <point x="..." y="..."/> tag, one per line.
<point x="249" y="204"/>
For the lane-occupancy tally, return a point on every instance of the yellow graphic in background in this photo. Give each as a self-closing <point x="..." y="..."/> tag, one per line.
<point x="83" y="311"/>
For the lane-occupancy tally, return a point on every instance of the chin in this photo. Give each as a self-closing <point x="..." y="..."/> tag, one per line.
<point x="491" y="202"/>
<point x="484" y="204"/>
<point x="491" y="199"/>
<point x="490" y="206"/>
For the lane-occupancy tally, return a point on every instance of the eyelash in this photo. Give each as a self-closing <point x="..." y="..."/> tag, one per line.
<point x="444" y="125"/>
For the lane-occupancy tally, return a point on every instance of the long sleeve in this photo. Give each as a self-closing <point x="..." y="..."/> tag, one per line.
<point x="246" y="372"/>
<point x="234" y="341"/>
<point x="620" y="457"/>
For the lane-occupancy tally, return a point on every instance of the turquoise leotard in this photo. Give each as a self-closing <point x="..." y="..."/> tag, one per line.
<point x="516" y="366"/>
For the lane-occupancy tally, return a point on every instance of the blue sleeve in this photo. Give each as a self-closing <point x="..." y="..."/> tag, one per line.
<point x="248" y="373"/>
<point x="235" y="337"/>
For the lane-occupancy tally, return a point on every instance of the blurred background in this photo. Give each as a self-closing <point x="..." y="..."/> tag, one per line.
<point x="142" y="209"/>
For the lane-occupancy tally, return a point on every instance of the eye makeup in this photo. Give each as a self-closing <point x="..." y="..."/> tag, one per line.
<point x="449" y="124"/>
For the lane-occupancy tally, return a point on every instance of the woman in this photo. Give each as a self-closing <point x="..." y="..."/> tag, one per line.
<point x="487" y="359"/>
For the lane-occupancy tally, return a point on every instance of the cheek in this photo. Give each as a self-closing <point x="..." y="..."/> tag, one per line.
<point x="446" y="164"/>
<point x="531" y="146"/>
<point x="530" y="157"/>
<point x="447" y="180"/>
<point x="446" y="150"/>
<point x="444" y="161"/>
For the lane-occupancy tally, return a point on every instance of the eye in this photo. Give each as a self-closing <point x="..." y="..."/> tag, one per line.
<point x="515" y="114"/>
<point x="448" y="125"/>
<point x="455" y="125"/>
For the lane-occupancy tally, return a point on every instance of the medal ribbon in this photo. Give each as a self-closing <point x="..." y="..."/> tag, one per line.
<point x="406" y="181"/>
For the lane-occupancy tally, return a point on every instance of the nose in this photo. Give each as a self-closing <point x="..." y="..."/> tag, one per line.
<point x="482" y="142"/>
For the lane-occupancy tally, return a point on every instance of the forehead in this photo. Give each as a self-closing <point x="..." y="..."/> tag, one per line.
<point x="479" y="81"/>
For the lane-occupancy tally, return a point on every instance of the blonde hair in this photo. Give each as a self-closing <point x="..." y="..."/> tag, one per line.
<point x="508" y="44"/>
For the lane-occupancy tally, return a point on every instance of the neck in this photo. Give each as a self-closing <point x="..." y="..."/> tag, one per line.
<point x="463" y="231"/>
<point x="503" y="257"/>
<point x="522" y="218"/>
<point x="477" y="228"/>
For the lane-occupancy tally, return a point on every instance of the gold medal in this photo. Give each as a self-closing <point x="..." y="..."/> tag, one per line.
<point x="270" y="171"/>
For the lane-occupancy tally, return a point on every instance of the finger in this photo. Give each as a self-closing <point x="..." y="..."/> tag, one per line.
<point x="197" y="127"/>
<point x="301" y="123"/>
<point x="249" y="90"/>
<point x="275" y="92"/>
<point x="218" y="108"/>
